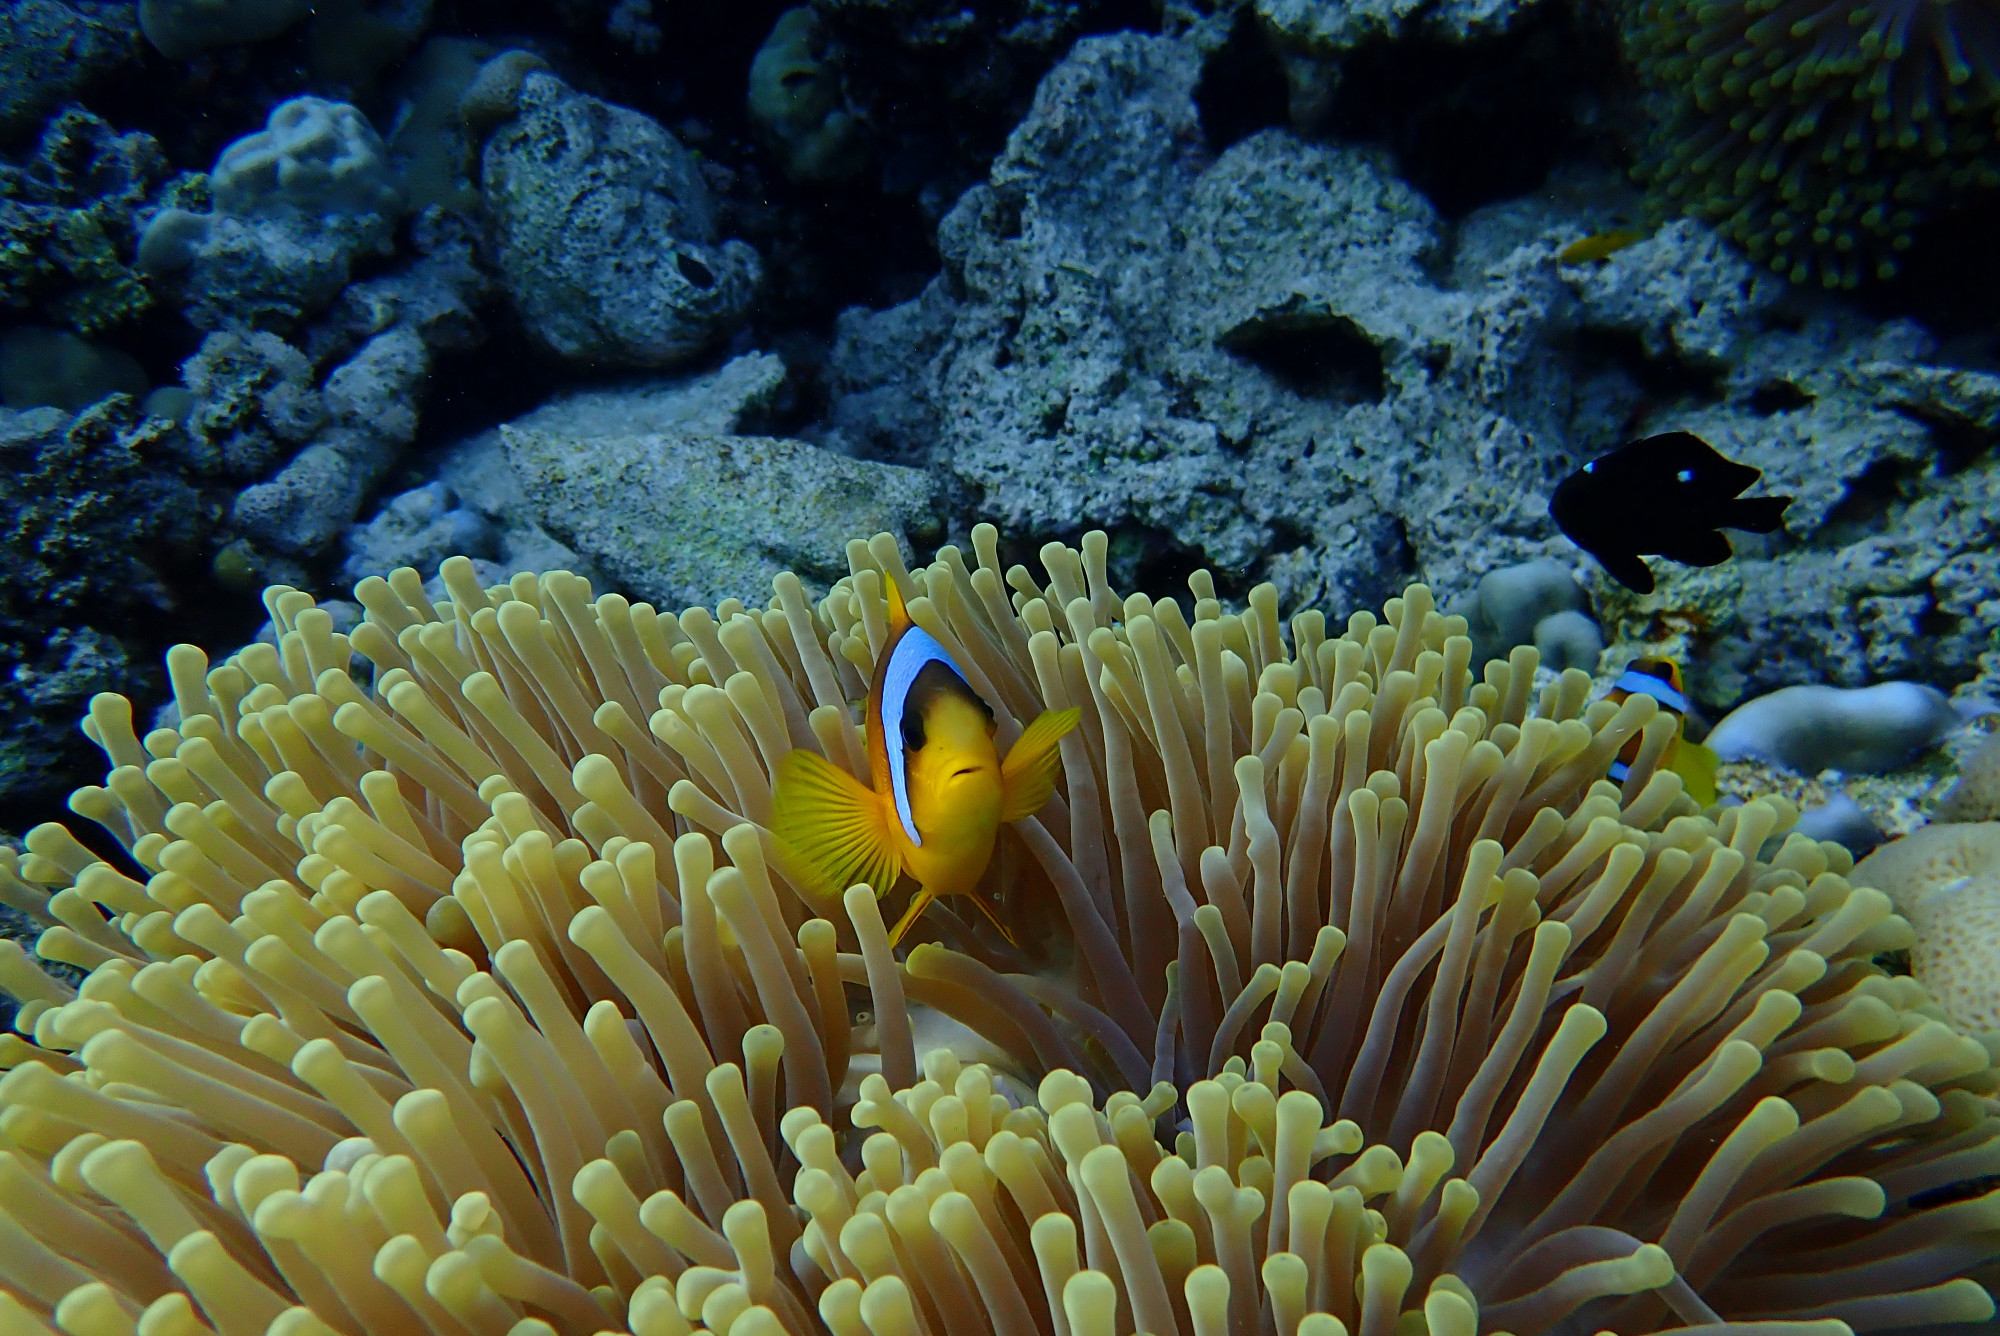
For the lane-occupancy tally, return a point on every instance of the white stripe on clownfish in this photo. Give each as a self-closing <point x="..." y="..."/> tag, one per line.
<point x="914" y="650"/>
<point x="1635" y="682"/>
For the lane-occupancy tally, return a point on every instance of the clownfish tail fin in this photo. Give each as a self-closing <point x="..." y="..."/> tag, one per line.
<point x="835" y="828"/>
<point x="1028" y="775"/>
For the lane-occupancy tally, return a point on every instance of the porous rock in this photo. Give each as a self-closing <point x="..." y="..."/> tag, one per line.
<point x="1239" y="362"/>
<point x="605" y="233"/>
<point x="1277" y="362"/>
<point x="371" y="412"/>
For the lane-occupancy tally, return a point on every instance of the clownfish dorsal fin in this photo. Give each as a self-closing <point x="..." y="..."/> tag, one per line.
<point x="899" y="615"/>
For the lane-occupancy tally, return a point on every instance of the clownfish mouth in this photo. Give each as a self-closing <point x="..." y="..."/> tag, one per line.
<point x="968" y="770"/>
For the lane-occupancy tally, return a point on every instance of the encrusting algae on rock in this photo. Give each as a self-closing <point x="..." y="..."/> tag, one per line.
<point x="1352" y="996"/>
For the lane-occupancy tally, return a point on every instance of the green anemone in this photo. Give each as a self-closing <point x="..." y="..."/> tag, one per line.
<point x="1819" y="133"/>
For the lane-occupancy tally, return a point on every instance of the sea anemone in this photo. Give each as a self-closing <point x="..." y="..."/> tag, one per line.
<point x="1350" y="998"/>
<point x="1818" y="135"/>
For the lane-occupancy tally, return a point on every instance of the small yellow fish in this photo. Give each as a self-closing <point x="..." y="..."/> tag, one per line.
<point x="1597" y="246"/>
<point x="939" y="788"/>
<point x="1694" y="763"/>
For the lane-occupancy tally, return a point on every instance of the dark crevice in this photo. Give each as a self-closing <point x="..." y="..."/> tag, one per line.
<point x="473" y="390"/>
<point x="1660" y="381"/>
<point x="1778" y="396"/>
<point x="1242" y="88"/>
<point x="1870" y="497"/>
<point x="1949" y="278"/>
<point x="1958" y="443"/>
<point x="1322" y="358"/>
<point x="1473" y="123"/>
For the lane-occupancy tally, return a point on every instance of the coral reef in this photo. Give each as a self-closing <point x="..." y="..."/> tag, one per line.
<point x="1976" y="794"/>
<point x="606" y="234"/>
<point x="383" y="335"/>
<point x="508" y="1028"/>
<point x="1818" y="137"/>
<point x="295" y="206"/>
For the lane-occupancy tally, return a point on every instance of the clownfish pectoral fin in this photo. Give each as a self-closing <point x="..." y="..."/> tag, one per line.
<point x="1028" y="775"/>
<point x="836" y="829"/>
<point x="1696" y="764"/>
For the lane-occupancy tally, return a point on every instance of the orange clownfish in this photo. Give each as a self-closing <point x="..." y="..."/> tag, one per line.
<point x="938" y="787"/>
<point x="1694" y="763"/>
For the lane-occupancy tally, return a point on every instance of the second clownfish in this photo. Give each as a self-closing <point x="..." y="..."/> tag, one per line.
<point x="1694" y="763"/>
<point x="938" y="788"/>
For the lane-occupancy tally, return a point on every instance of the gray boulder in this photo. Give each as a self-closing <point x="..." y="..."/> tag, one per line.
<point x="605" y="233"/>
<point x="657" y="488"/>
<point x="474" y="503"/>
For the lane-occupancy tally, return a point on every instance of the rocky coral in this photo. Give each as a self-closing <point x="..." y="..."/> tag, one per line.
<point x="606" y="234"/>
<point x="1246" y="362"/>
<point x="69" y="217"/>
<point x="295" y="205"/>
<point x="1883" y="570"/>
<point x="50" y="50"/>
<point x="1277" y="362"/>
<point x="1864" y="730"/>
<point x="1536" y="603"/>
<point x="95" y="516"/>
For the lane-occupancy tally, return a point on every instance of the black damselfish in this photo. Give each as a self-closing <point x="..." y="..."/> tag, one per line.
<point x="1664" y="496"/>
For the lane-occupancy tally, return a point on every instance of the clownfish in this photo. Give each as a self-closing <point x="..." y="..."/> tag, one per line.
<point x="1694" y="763"/>
<point x="938" y="788"/>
